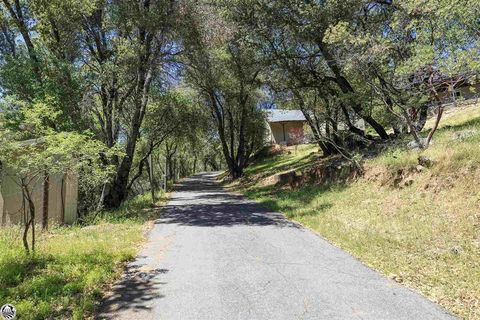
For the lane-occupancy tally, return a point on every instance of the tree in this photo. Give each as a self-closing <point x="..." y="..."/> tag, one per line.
<point x="171" y="116"/>
<point x="290" y="35"/>
<point x="143" y="47"/>
<point x="42" y="62"/>
<point x="31" y="162"/>
<point x="224" y="70"/>
<point x="96" y="61"/>
<point x="408" y="54"/>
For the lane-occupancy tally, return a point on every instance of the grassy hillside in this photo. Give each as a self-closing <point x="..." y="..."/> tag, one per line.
<point x="72" y="265"/>
<point x="420" y="226"/>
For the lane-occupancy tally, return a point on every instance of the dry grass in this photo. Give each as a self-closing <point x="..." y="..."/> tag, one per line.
<point x="290" y="159"/>
<point x="425" y="235"/>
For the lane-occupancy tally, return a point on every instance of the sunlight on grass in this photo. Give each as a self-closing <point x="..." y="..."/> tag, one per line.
<point x="72" y="265"/>
<point x="425" y="235"/>
<point x="288" y="160"/>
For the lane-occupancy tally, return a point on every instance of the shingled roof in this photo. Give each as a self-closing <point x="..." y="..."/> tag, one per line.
<point x="279" y="115"/>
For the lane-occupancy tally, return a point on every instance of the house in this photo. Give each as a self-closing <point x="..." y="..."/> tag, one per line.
<point x="55" y="197"/>
<point x="459" y="88"/>
<point x="286" y="127"/>
<point x="450" y="88"/>
<point x="290" y="127"/>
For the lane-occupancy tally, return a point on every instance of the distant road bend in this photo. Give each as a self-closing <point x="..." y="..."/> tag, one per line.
<point x="215" y="255"/>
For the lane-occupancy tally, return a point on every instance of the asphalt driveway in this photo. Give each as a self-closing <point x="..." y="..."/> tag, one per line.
<point x="215" y="255"/>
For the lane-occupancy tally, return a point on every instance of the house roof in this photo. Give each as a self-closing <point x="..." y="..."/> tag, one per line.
<point x="279" y="115"/>
<point x="441" y="80"/>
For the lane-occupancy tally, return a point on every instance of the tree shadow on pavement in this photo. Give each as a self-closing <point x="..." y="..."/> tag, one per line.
<point x="200" y="201"/>
<point x="226" y="214"/>
<point x="133" y="293"/>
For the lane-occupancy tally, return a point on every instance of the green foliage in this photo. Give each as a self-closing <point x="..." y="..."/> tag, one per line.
<point x="64" y="64"/>
<point x="410" y="233"/>
<point x="86" y="88"/>
<point x="29" y="162"/>
<point x="138" y="209"/>
<point x="69" y="268"/>
<point x="72" y="265"/>
<point x="347" y="59"/>
<point x="54" y="153"/>
<point x="224" y="70"/>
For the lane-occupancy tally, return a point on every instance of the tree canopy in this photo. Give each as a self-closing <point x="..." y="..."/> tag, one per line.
<point x="179" y="85"/>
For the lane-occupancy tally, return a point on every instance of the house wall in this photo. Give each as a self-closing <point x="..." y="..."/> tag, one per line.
<point x="55" y="195"/>
<point x="466" y="92"/>
<point x="275" y="135"/>
<point x="277" y="131"/>
<point x="71" y="199"/>
<point x="12" y="201"/>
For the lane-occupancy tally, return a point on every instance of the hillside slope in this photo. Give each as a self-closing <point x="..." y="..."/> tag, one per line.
<point x="417" y="225"/>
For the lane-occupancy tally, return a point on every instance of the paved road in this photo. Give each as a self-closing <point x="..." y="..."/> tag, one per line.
<point x="214" y="255"/>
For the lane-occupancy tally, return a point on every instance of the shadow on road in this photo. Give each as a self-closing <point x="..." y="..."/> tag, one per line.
<point x="133" y="293"/>
<point x="198" y="201"/>
<point x="222" y="214"/>
<point x="201" y="201"/>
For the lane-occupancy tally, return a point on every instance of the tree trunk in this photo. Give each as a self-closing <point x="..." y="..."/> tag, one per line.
<point x="16" y="14"/>
<point x="118" y="190"/>
<point x="237" y="172"/>
<point x="315" y="126"/>
<point x="29" y="223"/>
<point x="346" y="87"/>
<point x="26" y="222"/>
<point x="46" y="191"/>
<point x="435" y="126"/>
<point x="150" y="179"/>
<point x="440" y="109"/>
<point x="421" y="118"/>
<point x="25" y="235"/>
<point x="351" y="127"/>
<point x="165" y="176"/>
<point x="62" y="196"/>
<point x="221" y="132"/>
